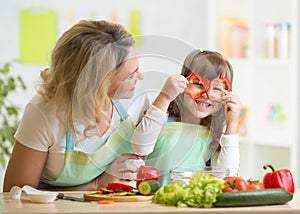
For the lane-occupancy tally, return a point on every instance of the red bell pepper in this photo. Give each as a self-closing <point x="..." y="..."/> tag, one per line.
<point x="147" y="173"/>
<point x="119" y="186"/>
<point x="279" y="179"/>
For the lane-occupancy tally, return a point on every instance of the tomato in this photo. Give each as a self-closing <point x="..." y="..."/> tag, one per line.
<point x="254" y="184"/>
<point x="234" y="183"/>
<point x="147" y="173"/>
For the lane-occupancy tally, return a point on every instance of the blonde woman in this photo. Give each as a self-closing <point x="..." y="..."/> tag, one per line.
<point x="75" y="134"/>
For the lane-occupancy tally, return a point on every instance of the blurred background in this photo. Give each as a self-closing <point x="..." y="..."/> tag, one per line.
<point x="259" y="37"/>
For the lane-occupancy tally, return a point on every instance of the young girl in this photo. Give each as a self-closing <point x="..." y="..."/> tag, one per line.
<point x="196" y="126"/>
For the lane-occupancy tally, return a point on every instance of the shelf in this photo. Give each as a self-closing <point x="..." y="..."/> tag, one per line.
<point x="267" y="86"/>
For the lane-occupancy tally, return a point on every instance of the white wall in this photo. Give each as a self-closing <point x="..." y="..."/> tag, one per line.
<point x="184" y="21"/>
<point x="178" y="19"/>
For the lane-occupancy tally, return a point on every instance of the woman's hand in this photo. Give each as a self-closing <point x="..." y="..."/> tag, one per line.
<point x="119" y="171"/>
<point x="233" y="107"/>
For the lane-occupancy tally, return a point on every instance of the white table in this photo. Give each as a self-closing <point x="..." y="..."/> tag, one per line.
<point x="8" y="205"/>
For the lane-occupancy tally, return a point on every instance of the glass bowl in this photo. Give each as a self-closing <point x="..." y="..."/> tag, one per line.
<point x="183" y="174"/>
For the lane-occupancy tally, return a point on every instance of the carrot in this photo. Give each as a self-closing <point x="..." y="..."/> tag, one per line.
<point x="105" y="202"/>
<point x="113" y="194"/>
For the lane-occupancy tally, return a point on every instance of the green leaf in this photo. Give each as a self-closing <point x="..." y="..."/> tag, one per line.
<point x="5" y="68"/>
<point x="11" y="84"/>
<point x="2" y="159"/>
<point x="23" y="86"/>
<point x="12" y="111"/>
<point x="9" y="113"/>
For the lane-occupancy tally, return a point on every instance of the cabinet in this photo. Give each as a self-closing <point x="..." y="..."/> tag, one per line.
<point x="267" y="84"/>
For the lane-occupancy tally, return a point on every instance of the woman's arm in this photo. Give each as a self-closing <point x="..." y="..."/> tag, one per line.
<point x="24" y="167"/>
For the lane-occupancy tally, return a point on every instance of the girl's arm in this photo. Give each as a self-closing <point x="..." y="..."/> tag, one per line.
<point x="229" y="155"/>
<point x="147" y="132"/>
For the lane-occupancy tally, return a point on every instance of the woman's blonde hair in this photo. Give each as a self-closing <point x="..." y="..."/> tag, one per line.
<point x="83" y="61"/>
<point x="210" y="65"/>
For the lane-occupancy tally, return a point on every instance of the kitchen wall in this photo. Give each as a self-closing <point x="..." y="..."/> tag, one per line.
<point x="182" y="20"/>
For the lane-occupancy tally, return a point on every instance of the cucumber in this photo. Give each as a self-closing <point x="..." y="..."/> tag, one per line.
<point x="270" y="196"/>
<point x="148" y="187"/>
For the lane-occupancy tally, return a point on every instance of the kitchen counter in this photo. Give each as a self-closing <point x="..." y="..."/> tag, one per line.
<point x="24" y="205"/>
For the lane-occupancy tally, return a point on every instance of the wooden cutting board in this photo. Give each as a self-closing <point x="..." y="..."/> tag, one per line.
<point x="133" y="198"/>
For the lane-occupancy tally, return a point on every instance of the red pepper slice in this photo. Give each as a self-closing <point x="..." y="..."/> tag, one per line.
<point x="279" y="179"/>
<point x="120" y="186"/>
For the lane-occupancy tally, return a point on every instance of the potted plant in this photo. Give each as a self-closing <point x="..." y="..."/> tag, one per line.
<point x="9" y="112"/>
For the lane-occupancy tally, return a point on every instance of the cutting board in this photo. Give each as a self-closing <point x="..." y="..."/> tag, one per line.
<point x="133" y="198"/>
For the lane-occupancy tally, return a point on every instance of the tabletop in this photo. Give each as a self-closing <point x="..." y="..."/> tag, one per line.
<point x="24" y="205"/>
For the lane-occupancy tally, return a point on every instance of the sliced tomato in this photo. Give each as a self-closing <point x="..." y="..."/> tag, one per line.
<point x="119" y="186"/>
<point x="234" y="183"/>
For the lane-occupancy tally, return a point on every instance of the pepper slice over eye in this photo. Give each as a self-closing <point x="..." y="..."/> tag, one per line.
<point x="214" y="89"/>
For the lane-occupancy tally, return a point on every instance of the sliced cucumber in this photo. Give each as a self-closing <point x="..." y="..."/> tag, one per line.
<point x="107" y="191"/>
<point x="148" y="187"/>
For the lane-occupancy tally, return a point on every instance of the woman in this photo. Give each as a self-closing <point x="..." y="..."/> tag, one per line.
<point x="75" y="134"/>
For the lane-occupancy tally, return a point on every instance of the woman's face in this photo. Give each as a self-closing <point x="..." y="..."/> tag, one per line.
<point x="201" y="107"/>
<point x="123" y="83"/>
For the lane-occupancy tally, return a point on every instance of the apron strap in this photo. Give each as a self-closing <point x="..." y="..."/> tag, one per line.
<point x="70" y="140"/>
<point x="120" y="109"/>
<point x="171" y="119"/>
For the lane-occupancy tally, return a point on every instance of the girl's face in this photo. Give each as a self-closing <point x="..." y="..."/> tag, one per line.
<point x="123" y="83"/>
<point x="201" y="107"/>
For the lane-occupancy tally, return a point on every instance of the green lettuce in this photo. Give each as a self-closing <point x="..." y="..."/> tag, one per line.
<point x="201" y="191"/>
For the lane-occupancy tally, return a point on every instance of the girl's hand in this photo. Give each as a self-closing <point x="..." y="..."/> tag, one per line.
<point x="233" y="107"/>
<point x="119" y="171"/>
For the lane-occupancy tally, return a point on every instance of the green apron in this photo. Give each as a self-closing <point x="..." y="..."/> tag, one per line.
<point x="180" y="145"/>
<point x="80" y="167"/>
